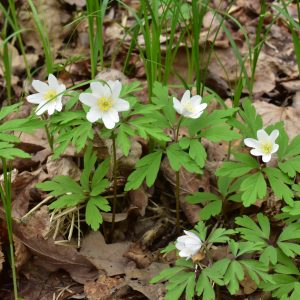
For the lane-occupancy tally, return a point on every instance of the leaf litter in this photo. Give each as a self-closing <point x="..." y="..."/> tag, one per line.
<point x="117" y="269"/>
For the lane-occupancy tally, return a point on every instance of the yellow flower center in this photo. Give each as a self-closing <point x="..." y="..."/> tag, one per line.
<point x="266" y="147"/>
<point x="190" y="108"/>
<point x="50" y="95"/>
<point x="104" y="103"/>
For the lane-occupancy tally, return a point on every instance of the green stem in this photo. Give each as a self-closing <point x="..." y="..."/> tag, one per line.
<point x="114" y="185"/>
<point x="6" y="199"/>
<point x="177" y="183"/>
<point x="49" y="136"/>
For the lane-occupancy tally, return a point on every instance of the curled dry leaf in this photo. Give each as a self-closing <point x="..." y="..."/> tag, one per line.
<point x="22" y="254"/>
<point x="49" y="255"/>
<point x="103" y="288"/>
<point x="139" y="199"/>
<point x="106" y="257"/>
<point x="140" y="255"/>
<point x="272" y="114"/>
<point x="23" y="187"/>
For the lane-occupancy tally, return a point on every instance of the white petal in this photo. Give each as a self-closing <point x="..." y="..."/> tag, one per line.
<point x="275" y="148"/>
<point x="196" y="115"/>
<point x="58" y="105"/>
<point x="262" y="135"/>
<point x="51" y="107"/>
<point x="256" y="152"/>
<point x="179" y="245"/>
<point x="98" y="88"/>
<point x="121" y="105"/>
<point x="266" y="158"/>
<point x="108" y="121"/>
<point x="196" y="100"/>
<point x="52" y="81"/>
<point x="40" y="86"/>
<point x="192" y="235"/>
<point x="93" y="115"/>
<point x="88" y="99"/>
<point x="186" y="97"/>
<point x="35" y="98"/>
<point x="274" y="135"/>
<point x="177" y="105"/>
<point x="185" y="253"/>
<point x="42" y="107"/>
<point x="116" y="87"/>
<point x="61" y="88"/>
<point x="251" y="143"/>
<point x="113" y="114"/>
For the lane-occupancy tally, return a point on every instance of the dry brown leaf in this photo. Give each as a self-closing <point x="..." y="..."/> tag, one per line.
<point x="49" y="255"/>
<point x="54" y="18"/>
<point x="1" y="258"/>
<point x="140" y="255"/>
<point x="272" y="114"/>
<point x="63" y="167"/>
<point x="139" y="199"/>
<point x="106" y="257"/>
<point x="78" y="3"/>
<point x="138" y="279"/>
<point x="103" y="288"/>
<point x="22" y="254"/>
<point x="23" y="187"/>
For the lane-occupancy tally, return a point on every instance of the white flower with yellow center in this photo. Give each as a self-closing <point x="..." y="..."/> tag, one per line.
<point x="188" y="244"/>
<point x="104" y="102"/>
<point x="189" y="107"/>
<point x="264" y="145"/>
<point x="49" y="96"/>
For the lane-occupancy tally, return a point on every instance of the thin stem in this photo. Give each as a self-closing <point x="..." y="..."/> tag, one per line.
<point x="6" y="199"/>
<point x="114" y="185"/>
<point x="49" y="136"/>
<point x="177" y="184"/>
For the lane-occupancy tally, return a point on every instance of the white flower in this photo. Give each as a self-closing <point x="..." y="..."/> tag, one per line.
<point x="188" y="244"/>
<point x="189" y="107"/>
<point x="47" y="97"/>
<point x="104" y="102"/>
<point x="264" y="145"/>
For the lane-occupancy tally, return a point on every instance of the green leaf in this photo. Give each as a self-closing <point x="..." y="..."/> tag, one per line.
<point x="178" y="158"/>
<point x="197" y="153"/>
<point x="100" y="172"/>
<point x="100" y="187"/>
<point x="146" y="168"/>
<point x="290" y="166"/>
<point x="220" y="133"/>
<point x="234" y="274"/>
<point x="93" y="210"/>
<point x="123" y="140"/>
<point x="279" y="184"/>
<point x="254" y="187"/>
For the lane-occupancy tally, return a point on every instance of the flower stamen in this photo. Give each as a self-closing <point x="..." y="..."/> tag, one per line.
<point x="266" y="147"/>
<point x="50" y="95"/>
<point x="105" y="103"/>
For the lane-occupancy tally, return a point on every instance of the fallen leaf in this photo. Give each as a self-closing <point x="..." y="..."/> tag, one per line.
<point x="54" y="18"/>
<point x="63" y="167"/>
<point x="1" y="258"/>
<point x="138" y="279"/>
<point x="103" y="288"/>
<point x="140" y="255"/>
<point x="22" y="188"/>
<point x="78" y="3"/>
<point x="106" y="257"/>
<point x="22" y="254"/>
<point x="139" y="199"/>
<point x="272" y="114"/>
<point x="49" y="255"/>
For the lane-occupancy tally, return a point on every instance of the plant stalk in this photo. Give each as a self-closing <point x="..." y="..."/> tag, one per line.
<point x="114" y="185"/>
<point x="177" y="184"/>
